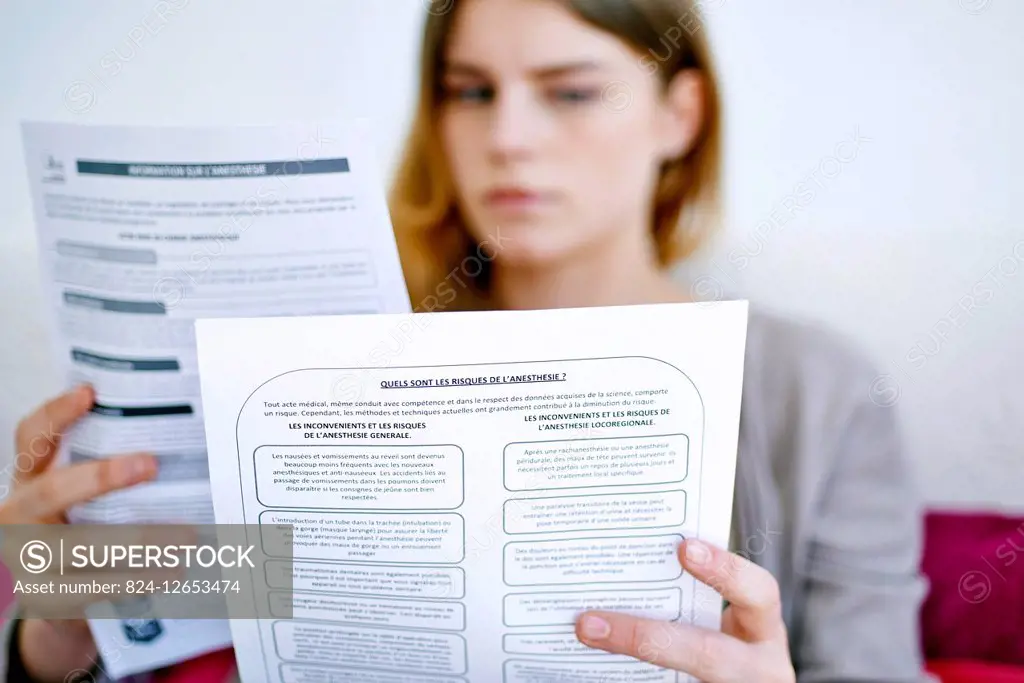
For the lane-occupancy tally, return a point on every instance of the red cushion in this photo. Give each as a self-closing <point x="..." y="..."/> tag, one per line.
<point x="975" y="608"/>
<point x="964" y="671"/>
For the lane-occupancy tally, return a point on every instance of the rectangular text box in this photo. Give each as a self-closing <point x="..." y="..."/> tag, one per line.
<point x="419" y="614"/>
<point x="581" y="463"/>
<point x="595" y="512"/>
<point x="442" y="583"/>
<point x="562" y="609"/>
<point x="565" y="644"/>
<point x="399" y="537"/>
<point x="524" y="671"/>
<point x="392" y="477"/>
<point x="609" y="559"/>
<point x="370" y="648"/>
<point x="301" y="673"/>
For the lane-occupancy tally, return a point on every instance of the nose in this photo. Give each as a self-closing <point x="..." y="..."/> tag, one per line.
<point x="516" y="125"/>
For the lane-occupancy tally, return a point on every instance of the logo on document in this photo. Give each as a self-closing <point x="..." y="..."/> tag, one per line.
<point x="53" y="170"/>
<point x="142" y="630"/>
<point x="137" y="621"/>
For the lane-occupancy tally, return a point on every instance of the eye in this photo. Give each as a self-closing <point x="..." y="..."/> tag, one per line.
<point x="573" y="95"/>
<point x="471" y="94"/>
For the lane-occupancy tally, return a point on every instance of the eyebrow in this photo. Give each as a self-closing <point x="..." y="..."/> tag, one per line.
<point x="464" y="69"/>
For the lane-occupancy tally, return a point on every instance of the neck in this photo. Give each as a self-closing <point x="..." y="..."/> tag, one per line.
<point x="615" y="275"/>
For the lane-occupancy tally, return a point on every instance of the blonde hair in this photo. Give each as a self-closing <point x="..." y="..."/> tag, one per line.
<point x="432" y="237"/>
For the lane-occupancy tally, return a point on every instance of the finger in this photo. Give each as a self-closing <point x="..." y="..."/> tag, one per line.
<point x="38" y="435"/>
<point x="53" y="607"/>
<point x="752" y="592"/>
<point x="68" y="628"/>
<point x="64" y="487"/>
<point x="710" y="656"/>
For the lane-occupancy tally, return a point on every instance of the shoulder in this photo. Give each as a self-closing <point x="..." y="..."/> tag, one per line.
<point x="804" y="350"/>
<point x="806" y="361"/>
<point x="803" y="384"/>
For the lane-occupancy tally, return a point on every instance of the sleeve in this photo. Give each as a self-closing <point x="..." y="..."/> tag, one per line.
<point x="9" y="649"/>
<point x="862" y="587"/>
<point x="12" y="669"/>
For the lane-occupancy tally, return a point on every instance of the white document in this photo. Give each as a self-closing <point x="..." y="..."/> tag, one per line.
<point x="143" y="230"/>
<point x="462" y="485"/>
<point x="139" y="645"/>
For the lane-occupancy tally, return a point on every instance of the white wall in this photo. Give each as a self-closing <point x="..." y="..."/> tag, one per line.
<point x="917" y="216"/>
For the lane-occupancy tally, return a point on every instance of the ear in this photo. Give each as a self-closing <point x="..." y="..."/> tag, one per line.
<point x="682" y="114"/>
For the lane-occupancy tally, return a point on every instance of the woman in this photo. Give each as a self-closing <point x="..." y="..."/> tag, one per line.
<point x="577" y="143"/>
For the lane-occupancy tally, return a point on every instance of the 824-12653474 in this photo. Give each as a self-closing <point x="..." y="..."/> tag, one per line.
<point x="182" y="587"/>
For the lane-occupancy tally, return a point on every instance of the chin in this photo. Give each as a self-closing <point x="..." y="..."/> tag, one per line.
<point x="533" y="247"/>
<point x="524" y="240"/>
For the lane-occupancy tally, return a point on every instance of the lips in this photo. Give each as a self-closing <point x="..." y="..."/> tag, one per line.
<point x="515" y="198"/>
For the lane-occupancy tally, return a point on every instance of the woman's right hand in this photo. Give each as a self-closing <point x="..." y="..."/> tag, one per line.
<point x="41" y="493"/>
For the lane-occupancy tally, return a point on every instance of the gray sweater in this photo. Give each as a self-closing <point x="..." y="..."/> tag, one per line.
<point x="825" y="501"/>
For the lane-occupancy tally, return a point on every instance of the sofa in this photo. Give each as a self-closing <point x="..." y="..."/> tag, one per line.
<point x="973" y="618"/>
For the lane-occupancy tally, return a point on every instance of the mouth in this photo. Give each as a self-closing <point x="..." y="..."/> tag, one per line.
<point x="513" y="198"/>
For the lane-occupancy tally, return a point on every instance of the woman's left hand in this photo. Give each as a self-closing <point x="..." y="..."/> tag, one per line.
<point x="752" y="645"/>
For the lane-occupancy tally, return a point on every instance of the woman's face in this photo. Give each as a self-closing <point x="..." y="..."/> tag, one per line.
<point x="554" y="132"/>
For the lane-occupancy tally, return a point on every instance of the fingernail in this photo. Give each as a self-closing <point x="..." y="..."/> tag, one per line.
<point x="142" y="467"/>
<point x="696" y="552"/>
<point x="595" y="628"/>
